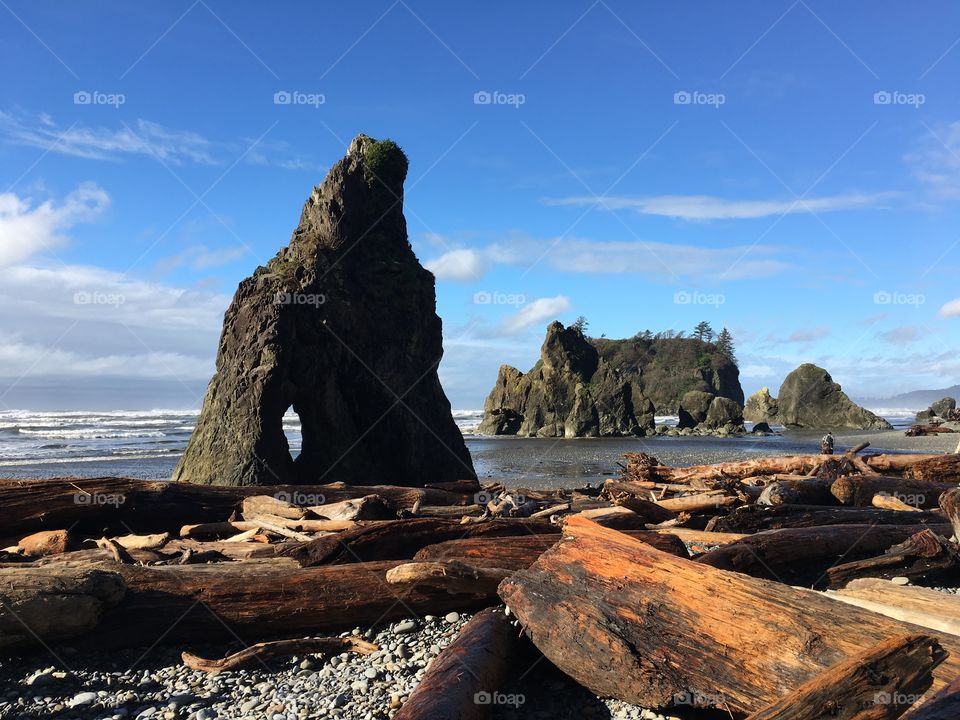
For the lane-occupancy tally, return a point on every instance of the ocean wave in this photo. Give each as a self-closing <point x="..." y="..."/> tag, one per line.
<point x="90" y="434"/>
<point x="71" y="460"/>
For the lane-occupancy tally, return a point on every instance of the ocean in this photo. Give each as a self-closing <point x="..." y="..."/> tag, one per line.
<point x="147" y="444"/>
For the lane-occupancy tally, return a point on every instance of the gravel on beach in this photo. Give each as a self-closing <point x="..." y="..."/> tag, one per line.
<point x="153" y="683"/>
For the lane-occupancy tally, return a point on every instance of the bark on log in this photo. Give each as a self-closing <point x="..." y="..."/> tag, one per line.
<point x="658" y="624"/>
<point x="369" y="507"/>
<point x="806" y="491"/>
<point x="271" y="505"/>
<point x="450" y="576"/>
<point x="939" y="468"/>
<point x="755" y="518"/>
<point x="45" y="605"/>
<point x="859" y="490"/>
<point x="945" y="705"/>
<point x="463" y="680"/>
<point x="924" y="555"/>
<point x="880" y="684"/>
<point x="48" y="542"/>
<point x="401" y="539"/>
<point x="257" y="655"/>
<point x="98" y="506"/>
<point x="802" y="556"/>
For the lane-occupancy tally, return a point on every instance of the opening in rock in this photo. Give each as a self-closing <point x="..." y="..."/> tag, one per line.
<point x="292" y="429"/>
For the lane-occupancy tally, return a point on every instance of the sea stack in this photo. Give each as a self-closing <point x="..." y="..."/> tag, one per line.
<point x="809" y="398"/>
<point x="340" y="325"/>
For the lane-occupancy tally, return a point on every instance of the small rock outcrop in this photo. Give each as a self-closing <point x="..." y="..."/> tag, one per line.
<point x="340" y="325"/>
<point x="944" y="409"/>
<point x="809" y="398"/>
<point x="706" y="412"/>
<point x="570" y="392"/>
<point x="761" y="407"/>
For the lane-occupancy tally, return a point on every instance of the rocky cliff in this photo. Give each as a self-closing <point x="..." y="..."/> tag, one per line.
<point x="588" y="387"/>
<point x="340" y="325"/>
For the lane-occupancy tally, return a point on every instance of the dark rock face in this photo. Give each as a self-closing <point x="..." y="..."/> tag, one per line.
<point x="809" y="398"/>
<point x="570" y="392"/>
<point x="943" y="407"/>
<point x="694" y="407"/>
<point x="341" y="325"/>
<point x="761" y="407"/>
<point x="723" y="413"/>
<point x="710" y="413"/>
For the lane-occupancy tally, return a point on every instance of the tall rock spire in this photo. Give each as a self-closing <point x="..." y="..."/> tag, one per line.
<point x="340" y="325"/>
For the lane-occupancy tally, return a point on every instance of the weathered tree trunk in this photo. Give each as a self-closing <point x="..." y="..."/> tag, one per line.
<point x="669" y="628"/>
<point x="122" y="505"/>
<point x="879" y="684"/>
<point x="401" y="539"/>
<point x="859" y="490"/>
<point x="918" y="605"/>
<point x="937" y="468"/>
<point x="802" y="556"/>
<point x="469" y="675"/>
<point x="923" y="555"/>
<point x="807" y="491"/>
<point x="44" y="605"/>
<point x="261" y="652"/>
<point x="450" y="576"/>
<point x="755" y="518"/>
<point x="950" y="503"/>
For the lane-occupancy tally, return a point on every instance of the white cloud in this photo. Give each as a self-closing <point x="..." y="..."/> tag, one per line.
<point x="754" y="371"/>
<point x="807" y="336"/>
<point x="706" y="207"/>
<point x="581" y="255"/>
<point x="904" y="334"/>
<point x="936" y="161"/>
<point x="951" y="309"/>
<point x="458" y="265"/>
<point x="535" y="313"/>
<point x="26" y="229"/>
<point x="200" y="257"/>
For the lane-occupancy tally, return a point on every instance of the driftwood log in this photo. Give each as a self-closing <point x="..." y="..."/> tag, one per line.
<point x="925" y="555"/>
<point x="753" y="518"/>
<point x="860" y="490"/>
<point x="918" y="605"/>
<point x="880" y="684"/>
<point x="945" y="705"/>
<point x="468" y="677"/>
<point x="670" y="628"/>
<point x="257" y="655"/>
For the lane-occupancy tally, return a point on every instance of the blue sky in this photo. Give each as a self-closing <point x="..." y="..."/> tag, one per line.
<point x="787" y="170"/>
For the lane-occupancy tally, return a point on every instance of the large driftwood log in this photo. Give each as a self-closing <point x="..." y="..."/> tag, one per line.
<point x="939" y="468"/>
<point x="880" y="684"/>
<point x="521" y="551"/>
<point x="794" y="491"/>
<point x="451" y="576"/>
<point x="860" y="490"/>
<point x="670" y="628"/>
<point x="802" y="556"/>
<point x="470" y="674"/>
<point x="259" y="600"/>
<point x="401" y="539"/>
<point x="120" y="505"/>
<point x="755" y="518"/>
<point x="44" y="605"/>
<point x="950" y="503"/>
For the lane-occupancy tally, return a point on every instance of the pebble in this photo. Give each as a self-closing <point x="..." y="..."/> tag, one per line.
<point x="452" y="617"/>
<point x="405" y="626"/>
<point x="84" y="698"/>
<point x="900" y="580"/>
